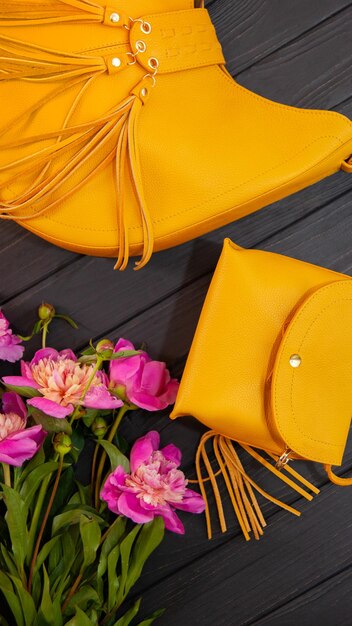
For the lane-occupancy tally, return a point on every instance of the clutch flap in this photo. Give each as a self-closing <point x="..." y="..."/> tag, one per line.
<point x="311" y="391"/>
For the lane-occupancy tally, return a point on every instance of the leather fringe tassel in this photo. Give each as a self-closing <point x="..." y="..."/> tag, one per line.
<point x="24" y="13"/>
<point x="241" y="488"/>
<point x="94" y="144"/>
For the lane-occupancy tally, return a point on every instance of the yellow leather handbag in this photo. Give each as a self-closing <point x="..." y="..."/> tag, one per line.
<point x="122" y="132"/>
<point x="269" y="368"/>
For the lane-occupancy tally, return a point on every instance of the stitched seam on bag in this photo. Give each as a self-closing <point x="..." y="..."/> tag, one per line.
<point x="284" y="344"/>
<point x="205" y="203"/>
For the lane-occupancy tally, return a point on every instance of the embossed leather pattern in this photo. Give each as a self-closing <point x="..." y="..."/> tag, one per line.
<point x="180" y="41"/>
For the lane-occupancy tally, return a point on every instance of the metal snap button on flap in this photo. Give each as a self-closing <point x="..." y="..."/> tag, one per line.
<point x="116" y="62"/>
<point x="295" y="360"/>
<point x="114" y="18"/>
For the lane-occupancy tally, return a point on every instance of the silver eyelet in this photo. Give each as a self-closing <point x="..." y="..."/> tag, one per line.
<point x="114" y="18"/>
<point x="146" y="28"/>
<point x="153" y="63"/>
<point x="141" y="46"/>
<point x="116" y="62"/>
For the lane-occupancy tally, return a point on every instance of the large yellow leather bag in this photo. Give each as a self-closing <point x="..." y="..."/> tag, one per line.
<point x="122" y="132"/>
<point x="270" y="368"/>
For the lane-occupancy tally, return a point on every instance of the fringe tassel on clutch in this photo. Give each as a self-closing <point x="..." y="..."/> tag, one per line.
<point x="241" y="488"/>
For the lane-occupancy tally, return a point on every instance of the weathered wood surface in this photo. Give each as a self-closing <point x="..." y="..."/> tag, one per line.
<point x="299" y="53"/>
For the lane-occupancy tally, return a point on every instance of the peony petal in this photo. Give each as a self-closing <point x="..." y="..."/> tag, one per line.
<point x="172" y="521"/>
<point x="51" y="408"/>
<point x="68" y="354"/>
<point x="44" y="353"/>
<point x="20" y="381"/>
<point x="172" y="453"/>
<point x="129" y="506"/>
<point x="111" y="490"/>
<point x="123" y="344"/>
<point x="145" y="401"/>
<point x="192" y="502"/>
<point x="21" y="446"/>
<point x="13" y="403"/>
<point x="99" y="398"/>
<point x="153" y="378"/>
<point x="170" y="393"/>
<point x="143" y="448"/>
<point x="11" y="352"/>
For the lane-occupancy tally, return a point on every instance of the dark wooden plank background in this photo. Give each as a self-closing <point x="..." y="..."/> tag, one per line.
<point x="299" y="53"/>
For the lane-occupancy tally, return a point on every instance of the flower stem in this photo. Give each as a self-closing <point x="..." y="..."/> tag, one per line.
<point x="95" y="369"/>
<point x="7" y="474"/>
<point x="112" y="434"/>
<point x="44" y="334"/>
<point x="71" y="592"/>
<point x="43" y="524"/>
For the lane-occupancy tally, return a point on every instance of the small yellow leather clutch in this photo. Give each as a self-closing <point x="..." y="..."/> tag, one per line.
<point x="269" y="368"/>
<point x="122" y="132"/>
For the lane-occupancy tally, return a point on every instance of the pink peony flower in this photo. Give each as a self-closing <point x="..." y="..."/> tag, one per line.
<point x="143" y="382"/>
<point x="155" y="486"/>
<point x="17" y="443"/>
<point x="61" y="380"/>
<point x="9" y="348"/>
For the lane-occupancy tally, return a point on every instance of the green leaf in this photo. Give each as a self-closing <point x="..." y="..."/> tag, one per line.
<point x="80" y="619"/>
<point x="85" y="598"/>
<point x="26" y="600"/>
<point x="112" y="539"/>
<point x="8" y="560"/>
<point x="126" y="619"/>
<point x="148" y="540"/>
<point x="26" y="392"/>
<point x="65" y="490"/>
<point x="115" y="455"/>
<point x="13" y="601"/>
<point x="16" y="518"/>
<point x="47" y="548"/>
<point x="125" y="548"/>
<point x="32" y="483"/>
<point x="37" y="460"/>
<point x="84" y="493"/>
<point x="72" y="515"/>
<point x="113" y="579"/>
<point x="67" y="319"/>
<point x="90" y="534"/>
<point x="123" y="354"/>
<point x="89" y="417"/>
<point x="152" y="618"/>
<point x="50" y="424"/>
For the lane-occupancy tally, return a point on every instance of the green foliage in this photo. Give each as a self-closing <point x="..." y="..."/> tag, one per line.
<point x="85" y="568"/>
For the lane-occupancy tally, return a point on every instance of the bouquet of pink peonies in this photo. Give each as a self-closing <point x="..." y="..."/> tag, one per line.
<point x="70" y="553"/>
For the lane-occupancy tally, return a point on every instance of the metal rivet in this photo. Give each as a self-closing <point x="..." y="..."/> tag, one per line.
<point x="116" y="62"/>
<point x="295" y="360"/>
<point x="141" y="45"/>
<point x="144" y="92"/>
<point x="114" y="18"/>
<point x="146" y="28"/>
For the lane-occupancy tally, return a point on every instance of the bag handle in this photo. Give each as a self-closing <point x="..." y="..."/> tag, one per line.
<point x="337" y="480"/>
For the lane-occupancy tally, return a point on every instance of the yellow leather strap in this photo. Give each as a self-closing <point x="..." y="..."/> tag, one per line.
<point x="347" y="165"/>
<point x="179" y="40"/>
<point x="337" y="480"/>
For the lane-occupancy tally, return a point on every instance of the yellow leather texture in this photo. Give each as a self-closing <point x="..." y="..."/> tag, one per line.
<point x="261" y="309"/>
<point x="198" y="152"/>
